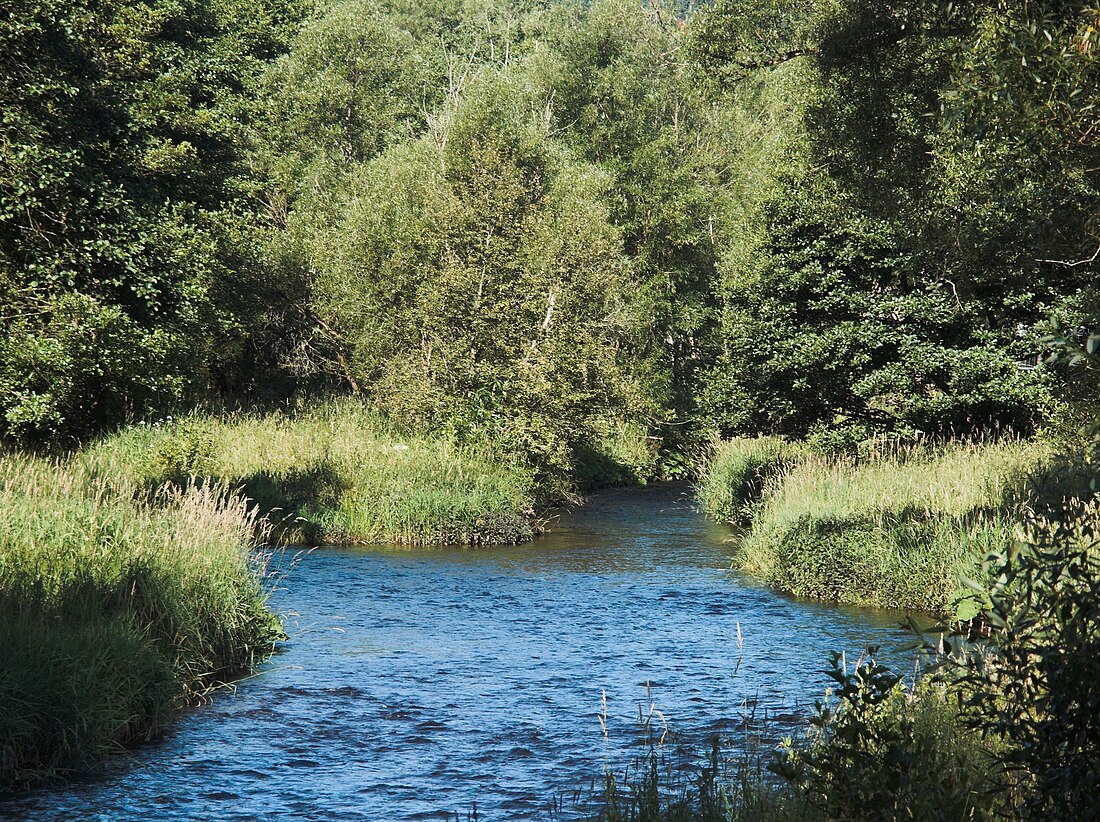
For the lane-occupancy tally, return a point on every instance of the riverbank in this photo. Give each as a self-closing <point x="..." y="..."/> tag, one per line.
<point x="115" y="613"/>
<point x="998" y="723"/>
<point x="333" y="472"/>
<point x="127" y="583"/>
<point x="896" y="530"/>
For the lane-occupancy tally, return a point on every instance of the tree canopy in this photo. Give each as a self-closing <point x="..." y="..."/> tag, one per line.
<point x="536" y="222"/>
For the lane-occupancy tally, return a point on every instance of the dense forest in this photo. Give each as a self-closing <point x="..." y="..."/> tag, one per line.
<point x="546" y="225"/>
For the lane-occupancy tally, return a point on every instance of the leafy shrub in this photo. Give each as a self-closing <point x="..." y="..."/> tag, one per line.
<point x="184" y="449"/>
<point x="1037" y="684"/>
<point x="887" y="751"/>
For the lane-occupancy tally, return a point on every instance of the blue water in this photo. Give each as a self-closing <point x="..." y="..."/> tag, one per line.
<point x="418" y="683"/>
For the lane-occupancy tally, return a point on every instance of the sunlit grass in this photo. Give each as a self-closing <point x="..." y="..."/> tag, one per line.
<point x="334" y="473"/>
<point x="896" y="531"/>
<point x="113" y="612"/>
<point x="735" y="474"/>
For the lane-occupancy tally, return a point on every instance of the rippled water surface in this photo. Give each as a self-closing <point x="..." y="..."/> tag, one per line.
<point x="417" y="683"/>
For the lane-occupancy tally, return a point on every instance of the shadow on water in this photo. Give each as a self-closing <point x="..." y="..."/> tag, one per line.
<point x="418" y="682"/>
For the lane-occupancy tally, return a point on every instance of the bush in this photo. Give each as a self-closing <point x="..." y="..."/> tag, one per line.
<point x="1037" y="685"/>
<point x="884" y="750"/>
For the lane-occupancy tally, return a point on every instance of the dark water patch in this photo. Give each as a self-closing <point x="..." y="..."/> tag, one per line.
<point x="420" y="682"/>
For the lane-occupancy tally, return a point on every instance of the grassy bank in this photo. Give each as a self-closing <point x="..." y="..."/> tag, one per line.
<point x="899" y="530"/>
<point x="114" y="613"/>
<point x="127" y="586"/>
<point x="737" y="472"/>
<point x="332" y="473"/>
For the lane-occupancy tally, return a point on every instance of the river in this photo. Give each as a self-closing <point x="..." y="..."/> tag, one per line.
<point x="417" y="683"/>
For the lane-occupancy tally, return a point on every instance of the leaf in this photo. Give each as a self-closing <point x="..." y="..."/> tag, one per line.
<point x="973" y="585"/>
<point x="967" y="609"/>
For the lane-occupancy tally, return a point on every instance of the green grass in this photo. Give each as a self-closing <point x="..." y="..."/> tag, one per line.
<point x="734" y="477"/>
<point x="333" y="473"/>
<point x="127" y="586"/>
<point x="114" y="613"/>
<point x="898" y="531"/>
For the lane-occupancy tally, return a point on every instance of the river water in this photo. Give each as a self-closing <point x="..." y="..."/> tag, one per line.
<point x="418" y="683"/>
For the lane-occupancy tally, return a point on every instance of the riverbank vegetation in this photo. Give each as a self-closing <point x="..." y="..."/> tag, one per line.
<point x="115" y="613"/>
<point x="893" y="529"/>
<point x="328" y="473"/>
<point x="999" y="721"/>
<point x="537" y="224"/>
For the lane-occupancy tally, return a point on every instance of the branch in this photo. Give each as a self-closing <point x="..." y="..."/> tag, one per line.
<point x="345" y="366"/>
<point x="1068" y="264"/>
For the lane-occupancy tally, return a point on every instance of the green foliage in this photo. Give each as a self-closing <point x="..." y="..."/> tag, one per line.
<point x="529" y="223"/>
<point x="619" y="89"/>
<point x="833" y="333"/>
<point x="85" y="358"/>
<point x="899" y="265"/>
<point x="876" y="749"/>
<point x="731" y="39"/>
<point x="479" y="284"/>
<point x="1046" y="609"/>
<point x="887" y="751"/>
<point x="1035" y="685"/>
<point x="118" y="164"/>
<point x="183" y="450"/>
<point x="354" y="81"/>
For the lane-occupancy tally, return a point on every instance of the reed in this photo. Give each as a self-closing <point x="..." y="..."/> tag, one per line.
<point x="115" y="613"/>
<point x="334" y="472"/>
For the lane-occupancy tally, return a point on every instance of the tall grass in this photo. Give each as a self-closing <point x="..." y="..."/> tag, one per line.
<point x="734" y="476"/>
<point x="879" y="752"/>
<point x="333" y="473"/>
<point x="897" y="531"/>
<point x="114" y="613"/>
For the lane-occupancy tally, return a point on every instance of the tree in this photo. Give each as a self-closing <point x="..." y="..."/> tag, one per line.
<point x="118" y="174"/>
<point x="479" y="283"/>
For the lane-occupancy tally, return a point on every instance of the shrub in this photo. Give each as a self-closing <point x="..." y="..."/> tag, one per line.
<point x="885" y="750"/>
<point x="1037" y="685"/>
